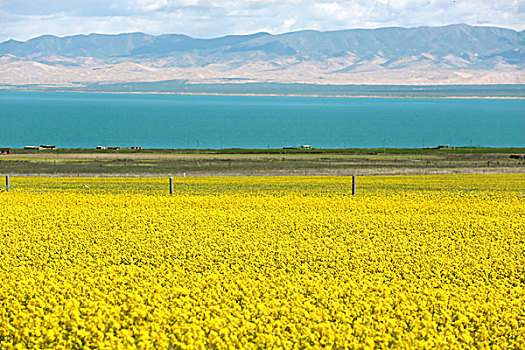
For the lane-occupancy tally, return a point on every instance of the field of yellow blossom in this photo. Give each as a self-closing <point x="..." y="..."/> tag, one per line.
<point x="293" y="262"/>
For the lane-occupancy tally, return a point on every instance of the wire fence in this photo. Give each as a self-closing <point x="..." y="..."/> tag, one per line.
<point x="278" y="185"/>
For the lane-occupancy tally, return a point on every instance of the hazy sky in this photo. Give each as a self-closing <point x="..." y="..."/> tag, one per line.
<point x="23" y="19"/>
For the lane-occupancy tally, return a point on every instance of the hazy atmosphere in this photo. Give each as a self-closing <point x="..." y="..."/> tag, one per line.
<point x="21" y="20"/>
<point x="262" y="174"/>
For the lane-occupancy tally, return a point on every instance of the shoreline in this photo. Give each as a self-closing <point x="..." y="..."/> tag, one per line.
<point x="451" y="97"/>
<point x="121" y="151"/>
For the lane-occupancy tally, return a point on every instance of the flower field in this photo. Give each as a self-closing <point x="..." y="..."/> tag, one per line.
<point x="411" y="262"/>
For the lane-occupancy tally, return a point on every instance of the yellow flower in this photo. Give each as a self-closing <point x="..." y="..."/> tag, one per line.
<point x="411" y="262"/>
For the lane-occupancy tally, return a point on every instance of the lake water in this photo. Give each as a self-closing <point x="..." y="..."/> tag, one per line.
<point x="73" y="120"/>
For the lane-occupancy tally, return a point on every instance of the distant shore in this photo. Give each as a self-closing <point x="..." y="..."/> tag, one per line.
<point x="270" y="94"/>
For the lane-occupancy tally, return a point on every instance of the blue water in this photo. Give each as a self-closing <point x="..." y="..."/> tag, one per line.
<point x="73" y="120"/>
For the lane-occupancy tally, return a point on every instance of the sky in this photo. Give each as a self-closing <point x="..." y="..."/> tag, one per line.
<point x="24" y="19"/>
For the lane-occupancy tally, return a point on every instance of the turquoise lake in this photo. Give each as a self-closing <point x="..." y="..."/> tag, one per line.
<point x="71" y="120"/>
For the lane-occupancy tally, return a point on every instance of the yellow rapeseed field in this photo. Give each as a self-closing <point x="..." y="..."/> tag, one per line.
<point x="411" y="262"/>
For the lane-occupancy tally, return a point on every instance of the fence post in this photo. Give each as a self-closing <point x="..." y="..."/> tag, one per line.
<point x="171" y="186"/>
<point x="7" y="183"/>
<point x="353" y="185"/>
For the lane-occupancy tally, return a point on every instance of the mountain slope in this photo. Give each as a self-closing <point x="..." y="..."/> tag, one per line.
<point x="441" y="55"/>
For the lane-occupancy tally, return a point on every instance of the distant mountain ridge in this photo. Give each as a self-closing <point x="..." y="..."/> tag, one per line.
<point x="442" y="55"/>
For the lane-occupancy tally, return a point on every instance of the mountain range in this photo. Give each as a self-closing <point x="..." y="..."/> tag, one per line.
<point x="454" y="54"/>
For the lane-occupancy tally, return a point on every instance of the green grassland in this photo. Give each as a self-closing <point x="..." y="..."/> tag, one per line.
<point x="155" y="162"/>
